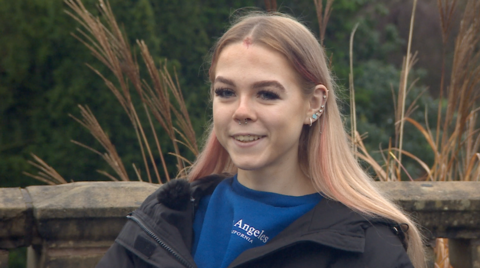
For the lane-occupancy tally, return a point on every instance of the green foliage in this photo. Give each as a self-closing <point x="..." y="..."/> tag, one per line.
<point x="17" y="258"/>
<point x="43" y="75"/>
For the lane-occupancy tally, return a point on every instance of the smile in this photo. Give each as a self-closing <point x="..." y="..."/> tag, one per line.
<point x="247" y="138"/>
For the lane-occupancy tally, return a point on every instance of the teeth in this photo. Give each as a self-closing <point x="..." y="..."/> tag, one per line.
<point x="247" y="138"/>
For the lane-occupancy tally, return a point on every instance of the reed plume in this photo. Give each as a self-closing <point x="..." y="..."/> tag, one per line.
<point x="323" y="16"/>
<point x="161" y="98"/>
<point x="47" y="174"/>
<point x="270" y="5"/>
<point x="111" y="156"/>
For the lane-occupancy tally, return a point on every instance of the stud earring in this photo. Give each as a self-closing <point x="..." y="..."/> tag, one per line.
<point x="246" y="121"/>
<point x="316" y="115"/>
<point x="239" y="122"/>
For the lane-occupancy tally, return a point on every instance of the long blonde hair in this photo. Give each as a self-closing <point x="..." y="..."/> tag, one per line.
<point x="324" y="152"/>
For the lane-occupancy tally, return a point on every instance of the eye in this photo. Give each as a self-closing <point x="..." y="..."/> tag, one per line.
<point x="224" y="93"/>
<point x="268" y="95"/>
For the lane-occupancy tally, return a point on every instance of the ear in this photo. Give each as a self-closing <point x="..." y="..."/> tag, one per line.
<point x="316" y="101"/>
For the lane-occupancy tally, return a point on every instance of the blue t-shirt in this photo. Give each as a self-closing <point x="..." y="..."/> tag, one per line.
<point x="235" y="218"/>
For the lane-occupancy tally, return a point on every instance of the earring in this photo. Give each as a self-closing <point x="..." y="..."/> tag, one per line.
<point x="316" y="115"/>
<point x="239" y="122"/>
<point x="246" y="121"/>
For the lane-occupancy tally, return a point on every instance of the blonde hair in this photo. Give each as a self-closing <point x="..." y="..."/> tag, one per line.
<point x="324" y="152"/>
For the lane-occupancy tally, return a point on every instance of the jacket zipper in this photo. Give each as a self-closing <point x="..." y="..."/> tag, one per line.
<point x="160" y="242"/>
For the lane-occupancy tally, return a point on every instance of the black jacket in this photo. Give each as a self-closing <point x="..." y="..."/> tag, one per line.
<point x="159" y="234"/>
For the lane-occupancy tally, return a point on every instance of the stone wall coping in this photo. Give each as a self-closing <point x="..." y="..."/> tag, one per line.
<point x="11" y="200"/>
<point x="88" y="199"/>
<point x="95" y="211"/>
<point x="13" y="217"/>
<point x="427" y="196"/>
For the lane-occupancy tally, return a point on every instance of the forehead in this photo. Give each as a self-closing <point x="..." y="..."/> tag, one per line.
<point x="247" y="42"/>
<point x="246" y="57"/>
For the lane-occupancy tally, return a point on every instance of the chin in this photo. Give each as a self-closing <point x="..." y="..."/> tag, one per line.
<point x="247" y="166"/>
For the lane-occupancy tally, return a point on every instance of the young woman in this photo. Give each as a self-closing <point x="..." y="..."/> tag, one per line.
<point x="276" y="184"/>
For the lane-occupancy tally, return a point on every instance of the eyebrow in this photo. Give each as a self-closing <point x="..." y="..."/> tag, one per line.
<point x="271" y="83"/>
<point x="256" y="85"/>
<point x="224" y="80"/>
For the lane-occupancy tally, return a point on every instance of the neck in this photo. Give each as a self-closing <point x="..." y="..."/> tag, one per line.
<point x="281" y="179"/>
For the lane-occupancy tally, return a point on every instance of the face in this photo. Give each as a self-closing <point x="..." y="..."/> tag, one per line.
<point x="258" y="86"/>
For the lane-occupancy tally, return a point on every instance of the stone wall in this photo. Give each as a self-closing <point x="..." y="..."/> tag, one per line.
<point x="72" y="225"/>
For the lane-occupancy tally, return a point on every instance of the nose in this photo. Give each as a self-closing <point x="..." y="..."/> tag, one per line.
<point x="245" y="110"/>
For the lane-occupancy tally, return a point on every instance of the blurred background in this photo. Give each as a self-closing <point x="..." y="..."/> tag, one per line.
<point x="43" y="74"/>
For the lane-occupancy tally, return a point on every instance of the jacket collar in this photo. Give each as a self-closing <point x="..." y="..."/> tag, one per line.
<point x="329" y="223"/>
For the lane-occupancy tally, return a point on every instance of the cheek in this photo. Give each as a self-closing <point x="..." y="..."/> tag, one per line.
<point x="220" y="118"/>
<point x="286" y="126"/>
<point x="215" y="111"/>
<point x="291" y="121"/>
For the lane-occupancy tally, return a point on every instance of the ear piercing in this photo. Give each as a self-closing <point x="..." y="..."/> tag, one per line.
<point x="317" y="114"/>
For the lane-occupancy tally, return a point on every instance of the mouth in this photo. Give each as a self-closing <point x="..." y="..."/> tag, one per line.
<point x="247" y="138"/>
